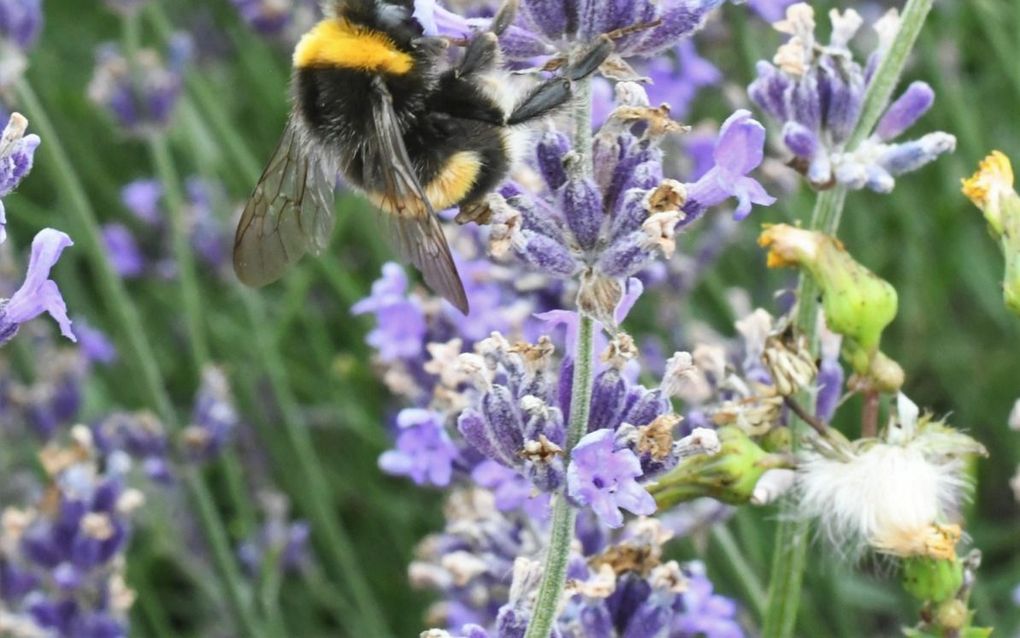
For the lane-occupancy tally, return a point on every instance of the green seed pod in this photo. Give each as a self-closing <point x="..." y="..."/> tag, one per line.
<point x="932" y="579"/>
<point x="729" y="475"/>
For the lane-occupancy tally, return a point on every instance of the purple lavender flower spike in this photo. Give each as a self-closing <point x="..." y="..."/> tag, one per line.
<point x="38" y="294"/>
<point x="603" y="478"/>
<point x="819" y="91"/>
<point x="122" y="250"/>
<point x="738" y="151"/>
<point x="424" y="451"/>
<point x="906" y="110"/>
<point x="21" y="22"/>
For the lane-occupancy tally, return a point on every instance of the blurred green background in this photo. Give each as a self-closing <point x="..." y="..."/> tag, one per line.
<point x="294" y="353"/>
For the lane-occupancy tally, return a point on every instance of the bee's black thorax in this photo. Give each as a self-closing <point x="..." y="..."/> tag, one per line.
<point x="454" y="133"/>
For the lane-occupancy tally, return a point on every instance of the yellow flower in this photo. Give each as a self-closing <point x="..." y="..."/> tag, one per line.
<point x="991" y="190"/>
<point x="987" y="188"/>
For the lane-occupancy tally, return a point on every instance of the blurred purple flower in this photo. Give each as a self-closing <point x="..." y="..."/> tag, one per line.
<point x="511" y="490"/>
<point x="702" y="613"/>
<point x="400" y="321"/>
<point x="39" y="293"/>
<point x="122" y="250"/>
<point x="214" y="418"/>
<point x="21" y="22"/>
<point x="770" y="10"/>
<point x="677" y="81"/>
<point x="142" y="197"/>
<point x="738" y="151"/>
<point x="95" y="344"/>
<point x="424" y="451"/>
<point x="603" y="478"/>
<point x="139" y="94"/>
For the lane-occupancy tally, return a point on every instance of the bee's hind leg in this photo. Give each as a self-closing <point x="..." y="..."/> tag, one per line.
<point x="555" y="92"/>
<point x="482" y="52"/>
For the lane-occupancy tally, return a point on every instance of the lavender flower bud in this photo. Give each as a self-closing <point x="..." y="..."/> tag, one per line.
<point x="582" y="208"/>
<point x="906" y="110"/>
<point x="550" y="152"/>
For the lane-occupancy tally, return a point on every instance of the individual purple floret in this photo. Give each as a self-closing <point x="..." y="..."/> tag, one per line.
<point x="39" y="293"/>
<point x="424" y="451"/>
<point x="603" y="477"/>
<point x="400" y="320"/>
<point x="61" y="562"/>
<point x="816" y="92"/>
<point x="738" y="151"/>
<point x="140" y="94"/>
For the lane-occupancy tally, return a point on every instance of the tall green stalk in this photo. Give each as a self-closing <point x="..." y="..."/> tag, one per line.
<point x="554" y="574"/>
<point x="138" y="352"/>
<point x="791" y="545"/>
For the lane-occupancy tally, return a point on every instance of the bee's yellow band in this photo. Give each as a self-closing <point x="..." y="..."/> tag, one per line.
<point x="447" y="189"/>
<point x="338" y="43"/>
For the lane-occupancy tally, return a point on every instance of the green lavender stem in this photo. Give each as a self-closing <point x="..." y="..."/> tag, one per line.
<point x="191" y="298"/>
<point x="139" y="352"/>
<point x="562" y="527"/>
<point x="790" y="554"/>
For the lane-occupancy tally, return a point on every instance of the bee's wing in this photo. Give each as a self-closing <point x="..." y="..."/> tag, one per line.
<point x="289" y="213"/>
<point x="415" y="228"/>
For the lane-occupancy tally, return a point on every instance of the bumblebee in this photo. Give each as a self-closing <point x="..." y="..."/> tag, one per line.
<point x="371" y="100"/>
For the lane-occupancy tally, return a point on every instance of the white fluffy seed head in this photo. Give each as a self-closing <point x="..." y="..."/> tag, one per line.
<point x="880" y="497"/>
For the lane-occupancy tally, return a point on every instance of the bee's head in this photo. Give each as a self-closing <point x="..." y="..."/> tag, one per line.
<point x="394" y="17"/>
